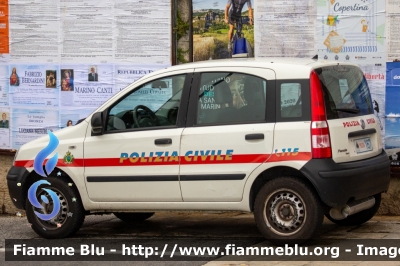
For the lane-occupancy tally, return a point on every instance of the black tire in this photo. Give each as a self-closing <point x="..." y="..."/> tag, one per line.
<point x="360" y="217"/>
<point x="133" y="217"/>
<point x="70" y="217"/>
<point x="287" y="211"/>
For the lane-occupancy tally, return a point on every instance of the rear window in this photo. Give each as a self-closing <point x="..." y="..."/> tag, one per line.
<point x="291" y="104"/>
<point x="346" y="91"/>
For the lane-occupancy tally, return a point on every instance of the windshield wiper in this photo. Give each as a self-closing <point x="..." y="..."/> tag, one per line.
<point x="347" y="110"/>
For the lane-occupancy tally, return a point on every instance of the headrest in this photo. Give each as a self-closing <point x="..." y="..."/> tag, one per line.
<point x="252" y="91"/>
<point x="116" y="122"/>
<point x="222" y="93"/>
<point x="159" y="84"/>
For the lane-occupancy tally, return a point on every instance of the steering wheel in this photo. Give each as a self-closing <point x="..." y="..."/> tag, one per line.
<point x="149" y="120"/>
<point x="173" y="115"/>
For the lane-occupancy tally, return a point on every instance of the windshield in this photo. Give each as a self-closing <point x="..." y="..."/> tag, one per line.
<point x="153" y="104"/>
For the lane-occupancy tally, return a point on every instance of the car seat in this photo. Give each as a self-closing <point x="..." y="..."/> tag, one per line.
<point x="225" y="112"/>
<point x="159" y="84"/>
<point x="255" y="99"/>
<point x="115" y="123"/>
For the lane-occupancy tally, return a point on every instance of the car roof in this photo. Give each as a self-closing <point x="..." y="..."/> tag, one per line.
<point x="284" y="67"/>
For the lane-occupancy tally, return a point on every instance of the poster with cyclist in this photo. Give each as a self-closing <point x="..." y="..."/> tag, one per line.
<point x="216" y="24"/>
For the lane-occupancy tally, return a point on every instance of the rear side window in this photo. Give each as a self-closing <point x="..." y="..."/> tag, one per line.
<point x="346" y="92"/>
<point x="293" y="100"/>
<point x="291" y="104"/>
<point x="231" y="98"/>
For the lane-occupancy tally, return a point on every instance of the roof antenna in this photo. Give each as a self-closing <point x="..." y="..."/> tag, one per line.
<point x="315" y="57"/>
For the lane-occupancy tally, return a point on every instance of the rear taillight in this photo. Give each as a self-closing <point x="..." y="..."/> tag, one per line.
<point x="320" y="139"/>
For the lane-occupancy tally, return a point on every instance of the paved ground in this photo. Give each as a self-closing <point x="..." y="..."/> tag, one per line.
<point x="194" y="226"/>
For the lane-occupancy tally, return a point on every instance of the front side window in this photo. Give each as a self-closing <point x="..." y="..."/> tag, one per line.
<point x="230" y="98"/>
<point x="155" y="104"/>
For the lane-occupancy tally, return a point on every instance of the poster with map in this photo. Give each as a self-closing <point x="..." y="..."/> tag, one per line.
<point x="352" y="30"/>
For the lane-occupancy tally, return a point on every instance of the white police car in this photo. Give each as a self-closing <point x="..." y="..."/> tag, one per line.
<point x="291" y="140"/>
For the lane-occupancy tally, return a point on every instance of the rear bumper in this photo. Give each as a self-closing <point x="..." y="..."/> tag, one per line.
<point x="336" y="183"/>
<point x="16" y="178"/>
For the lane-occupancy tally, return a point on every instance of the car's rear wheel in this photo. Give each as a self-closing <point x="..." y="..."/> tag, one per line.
<point x="360" y="217"/>
<point x="133" y="217"/>
<point x="287" y="210"/>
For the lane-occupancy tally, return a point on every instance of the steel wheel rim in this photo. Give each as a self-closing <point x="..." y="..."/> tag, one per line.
<point x="284" y="212"/>
<point x="60" y="218"/>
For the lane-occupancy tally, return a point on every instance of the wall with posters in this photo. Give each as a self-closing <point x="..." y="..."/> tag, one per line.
<point x="60" y="60"/>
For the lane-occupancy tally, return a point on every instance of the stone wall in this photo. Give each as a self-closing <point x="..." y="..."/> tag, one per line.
<point x="7" y="207"/>
<point x="390" y="204"/>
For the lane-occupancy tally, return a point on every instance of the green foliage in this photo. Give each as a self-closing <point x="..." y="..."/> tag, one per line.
<point x="180" y="55"/>
<point x="181" y="27"/>
<point x="218" y="26"/>
<point x="181" y="30"/>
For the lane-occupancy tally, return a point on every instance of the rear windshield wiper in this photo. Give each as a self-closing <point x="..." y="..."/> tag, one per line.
<point x="347" y="110"/>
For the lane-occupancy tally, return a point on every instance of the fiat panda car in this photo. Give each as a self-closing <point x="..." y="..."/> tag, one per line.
<point x="290" y="140"/>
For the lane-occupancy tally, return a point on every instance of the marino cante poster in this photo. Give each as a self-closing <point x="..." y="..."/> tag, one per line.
<point x="86" y="85"/>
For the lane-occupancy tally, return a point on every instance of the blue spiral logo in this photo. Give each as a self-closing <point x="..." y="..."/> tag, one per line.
<point x="49" y="166"/>
<point x="41" y="156"/>
<point x="32" y="198"/>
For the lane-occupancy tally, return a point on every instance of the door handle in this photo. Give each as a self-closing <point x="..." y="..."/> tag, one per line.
<point x="162" y="141"/>
<point x="254" y="136"/>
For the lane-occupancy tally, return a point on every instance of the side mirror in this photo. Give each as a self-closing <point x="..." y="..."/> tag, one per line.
<point x="97" y="124"/>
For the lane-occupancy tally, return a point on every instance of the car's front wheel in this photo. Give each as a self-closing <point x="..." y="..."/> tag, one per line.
<point x="53" y="194"/>
<point x="287" y="210"/>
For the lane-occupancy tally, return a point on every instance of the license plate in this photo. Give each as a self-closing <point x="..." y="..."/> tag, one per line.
<point x="363" y="145"/>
